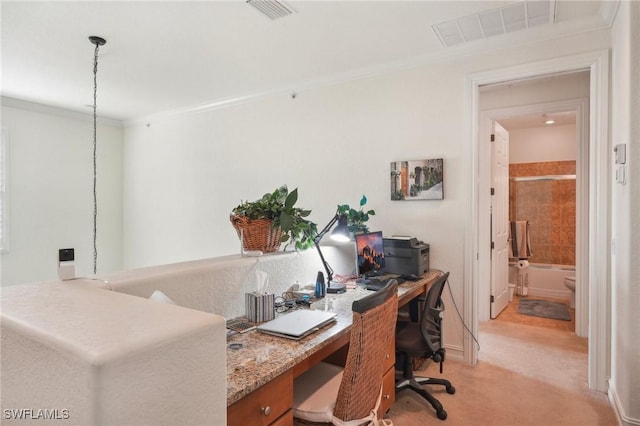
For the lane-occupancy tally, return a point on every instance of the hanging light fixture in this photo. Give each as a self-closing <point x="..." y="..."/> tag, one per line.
<point x="98" y="41"/>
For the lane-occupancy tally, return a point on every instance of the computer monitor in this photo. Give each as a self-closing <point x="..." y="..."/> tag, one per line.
<point x="369" y="253"/>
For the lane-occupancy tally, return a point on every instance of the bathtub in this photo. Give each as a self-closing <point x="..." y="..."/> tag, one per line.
<point x="545" y="280"/>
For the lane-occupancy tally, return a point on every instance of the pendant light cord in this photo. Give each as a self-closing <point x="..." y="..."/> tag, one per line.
<point x="95" y="158"/>
<point x="98" y="41"/>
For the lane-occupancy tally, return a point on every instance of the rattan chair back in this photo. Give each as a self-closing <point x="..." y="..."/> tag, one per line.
<point x="372" y="332"/>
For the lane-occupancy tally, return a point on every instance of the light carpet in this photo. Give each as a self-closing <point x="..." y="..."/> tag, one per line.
<point x="525" y="376"/>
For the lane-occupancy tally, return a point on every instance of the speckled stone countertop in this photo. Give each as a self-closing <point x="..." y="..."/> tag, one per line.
<point x="263" y="357"/>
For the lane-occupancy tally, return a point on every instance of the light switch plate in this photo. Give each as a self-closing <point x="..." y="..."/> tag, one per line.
<point x="621" y="175"/>
<point x="620" y="153"/>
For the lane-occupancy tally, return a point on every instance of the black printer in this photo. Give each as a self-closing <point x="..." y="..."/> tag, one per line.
<point x="406" y="255"/>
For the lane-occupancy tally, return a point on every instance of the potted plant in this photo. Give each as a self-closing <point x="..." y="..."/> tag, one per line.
<point x="356" y="218"/>
<point x="273" y="219"/>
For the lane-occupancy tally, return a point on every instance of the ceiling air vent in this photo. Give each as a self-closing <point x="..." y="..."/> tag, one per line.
<point x="272" y="8"/>
<point x="507" y="19"/>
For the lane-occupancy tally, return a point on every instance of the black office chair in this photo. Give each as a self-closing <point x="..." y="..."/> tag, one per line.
<point x="423" y="339"/>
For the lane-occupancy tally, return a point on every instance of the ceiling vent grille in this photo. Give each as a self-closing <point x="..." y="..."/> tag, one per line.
<point x="515" y="17"/>
<point x="271" y="8"/>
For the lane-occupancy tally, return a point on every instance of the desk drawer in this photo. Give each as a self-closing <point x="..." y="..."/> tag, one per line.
<point x="388" y="392"/>
<point x="390" y="356"/>
<point x="264" y="405"/>
<point x="285" y="420"/>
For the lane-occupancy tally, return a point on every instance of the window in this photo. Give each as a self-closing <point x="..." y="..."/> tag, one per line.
<point x="4" y="240"/>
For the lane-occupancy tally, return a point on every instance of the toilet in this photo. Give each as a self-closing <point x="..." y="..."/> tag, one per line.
<point x="570" y="283"/>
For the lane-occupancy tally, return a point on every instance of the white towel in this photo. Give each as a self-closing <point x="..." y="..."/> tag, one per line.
<point x="520" y="247"/>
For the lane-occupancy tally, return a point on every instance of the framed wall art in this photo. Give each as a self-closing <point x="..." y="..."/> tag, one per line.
<point x="417" y="180"/>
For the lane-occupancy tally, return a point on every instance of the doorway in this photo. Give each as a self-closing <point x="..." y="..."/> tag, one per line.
<point x="548" y="187"/>
<point x="595" y="247"/>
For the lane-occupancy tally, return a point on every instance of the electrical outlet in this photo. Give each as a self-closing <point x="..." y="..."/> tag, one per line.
<point x="66" y="264"/>
<point x="621" y="177"/>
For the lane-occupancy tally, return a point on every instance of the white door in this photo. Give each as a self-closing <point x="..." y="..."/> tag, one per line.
<point x="499" y="220"/>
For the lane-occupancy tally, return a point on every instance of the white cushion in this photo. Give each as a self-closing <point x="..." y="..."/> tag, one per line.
<point x="315" y="393"/>
<point x="159" y="296"/>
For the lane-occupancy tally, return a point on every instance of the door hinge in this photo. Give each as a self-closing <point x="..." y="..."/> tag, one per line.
<point x="493" y="138"/>
<point x="493" y="191"/>
<point x="492" y="299"/>
<point x="493" y="245"/>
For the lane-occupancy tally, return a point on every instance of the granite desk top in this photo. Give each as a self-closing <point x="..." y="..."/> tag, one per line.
<point x="263" y="357"/>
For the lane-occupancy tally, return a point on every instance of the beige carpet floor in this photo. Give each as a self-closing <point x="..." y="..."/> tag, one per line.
<point x="526" y="376"/>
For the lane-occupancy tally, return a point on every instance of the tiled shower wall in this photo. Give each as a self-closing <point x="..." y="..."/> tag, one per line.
<point x="550" y="208"/>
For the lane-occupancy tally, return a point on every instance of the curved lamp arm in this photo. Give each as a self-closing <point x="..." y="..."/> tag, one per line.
<point x="341" y="231"/>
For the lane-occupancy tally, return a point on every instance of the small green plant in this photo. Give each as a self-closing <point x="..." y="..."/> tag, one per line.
<point x="356" y="218"/>
<point x="279" y="206"/>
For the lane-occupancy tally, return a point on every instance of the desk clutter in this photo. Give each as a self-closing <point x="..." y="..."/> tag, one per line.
<point x="262" y="307"/>
<point x="240" y="325"/>
<point x="259" y="307"/>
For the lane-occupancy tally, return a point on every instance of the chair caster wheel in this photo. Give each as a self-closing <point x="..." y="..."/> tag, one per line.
<point x="451" y="390"/>
<point x="442" y="415"/>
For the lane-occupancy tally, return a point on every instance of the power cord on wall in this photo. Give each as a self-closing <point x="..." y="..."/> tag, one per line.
<point x="460" y="316"/>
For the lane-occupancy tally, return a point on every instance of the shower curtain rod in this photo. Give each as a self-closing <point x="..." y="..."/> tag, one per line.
<point x="546" y="177"/>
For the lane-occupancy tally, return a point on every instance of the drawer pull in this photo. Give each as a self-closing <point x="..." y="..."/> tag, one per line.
<point x="266" y="410"/>
<point x="386" y="396"/>
<point x="388" y="356"/>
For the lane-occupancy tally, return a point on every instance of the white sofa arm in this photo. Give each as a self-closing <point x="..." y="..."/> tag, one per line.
<point x="83" y="355"/>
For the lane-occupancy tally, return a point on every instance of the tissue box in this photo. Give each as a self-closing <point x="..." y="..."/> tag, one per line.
<point x="259" y="307"/>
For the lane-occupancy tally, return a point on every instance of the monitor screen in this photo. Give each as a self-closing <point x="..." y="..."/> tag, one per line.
<point x="369" y="253"/>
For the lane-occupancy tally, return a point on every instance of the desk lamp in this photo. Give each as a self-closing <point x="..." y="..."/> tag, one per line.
<point x="341" y="233"/>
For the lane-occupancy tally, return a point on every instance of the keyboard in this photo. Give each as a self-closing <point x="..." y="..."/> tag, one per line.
<point x="240" y="325"/>
<point x="375" y="284"/>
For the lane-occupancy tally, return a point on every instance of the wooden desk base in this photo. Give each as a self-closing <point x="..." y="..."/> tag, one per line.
<point x="270" y="404"/>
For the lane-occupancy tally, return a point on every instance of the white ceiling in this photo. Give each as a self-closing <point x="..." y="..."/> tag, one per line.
<point x="561" y="118"/>
<point x="165" y="56"/>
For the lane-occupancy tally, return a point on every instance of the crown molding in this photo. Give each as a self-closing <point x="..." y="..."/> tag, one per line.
<point x="58" y="111"/>
<point x="608" y="11"/>
<point x="451" y="54"/>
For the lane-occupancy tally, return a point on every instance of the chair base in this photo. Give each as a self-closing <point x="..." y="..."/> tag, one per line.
<point x="416" y="383"/>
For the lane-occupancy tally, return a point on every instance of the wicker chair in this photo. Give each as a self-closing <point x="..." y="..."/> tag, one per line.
<point x="423" y="339"/>
<point x="327" y="394"/>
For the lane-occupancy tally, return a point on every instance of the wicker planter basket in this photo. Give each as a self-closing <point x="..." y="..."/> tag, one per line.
<point x="258" y="234"/>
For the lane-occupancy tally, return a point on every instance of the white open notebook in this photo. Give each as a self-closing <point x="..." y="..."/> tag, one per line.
<point x="297" y="324"/>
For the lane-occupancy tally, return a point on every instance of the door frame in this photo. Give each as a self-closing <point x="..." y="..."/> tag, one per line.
<point x="581" y="107"/>
<point x="596" y="249"/>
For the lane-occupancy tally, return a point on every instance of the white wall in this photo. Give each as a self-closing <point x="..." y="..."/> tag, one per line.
<point x="183" y="174"/>
<point x="50" y="192"/>
<point x="625" y="205"/>
<point x="335" y="144"/>
<point x="542" y="144"/>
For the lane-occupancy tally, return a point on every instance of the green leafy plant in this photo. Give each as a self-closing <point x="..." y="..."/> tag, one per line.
<point x="279" y="207"/>
<point x="356" y="218"/>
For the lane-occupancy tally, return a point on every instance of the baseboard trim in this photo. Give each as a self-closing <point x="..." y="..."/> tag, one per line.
<point x="623" y="419"/>
<point x="455" y="352"/>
